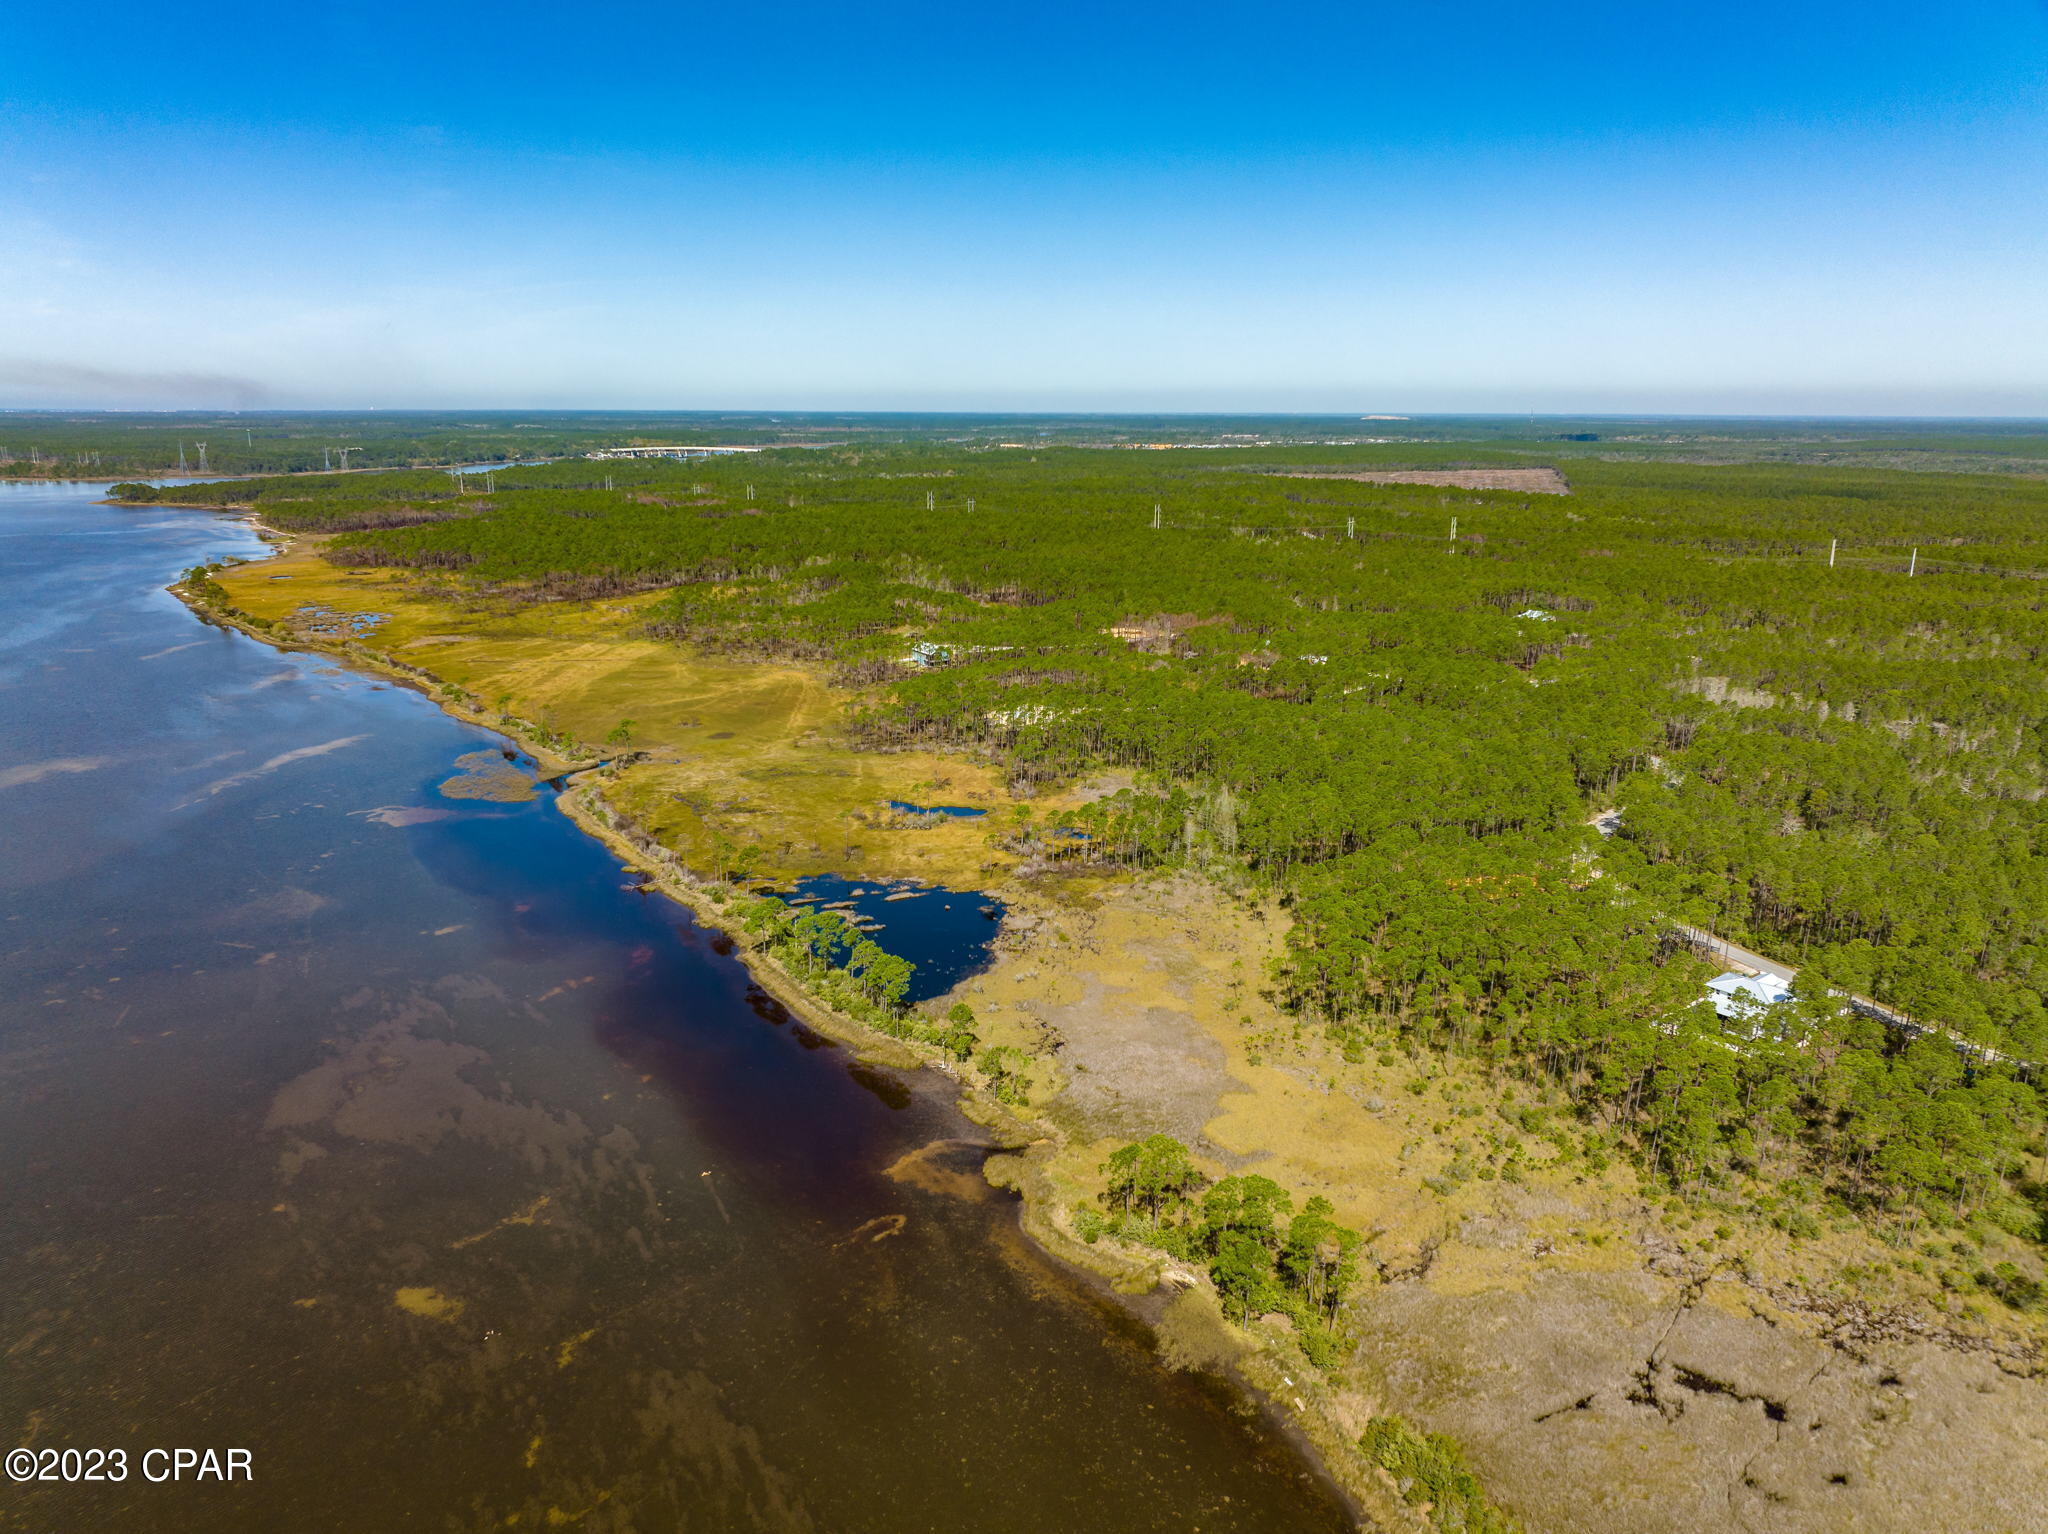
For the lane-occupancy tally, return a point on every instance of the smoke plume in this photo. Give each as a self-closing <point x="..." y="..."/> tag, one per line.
<point x="25" y="381"/>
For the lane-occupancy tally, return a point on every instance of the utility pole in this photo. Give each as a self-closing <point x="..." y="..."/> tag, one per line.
<point x="1831" y="551"/>
<point x="1914" y="563"/>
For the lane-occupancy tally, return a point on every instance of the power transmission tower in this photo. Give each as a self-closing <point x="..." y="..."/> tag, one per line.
<point x="202" y="456"/>
<point x="1913" y="564"/>
<point x="181" y="457"/>
<point x="1155" y="516"/>
<point x="326" y="463"/>
<point x="1454" y="535"/>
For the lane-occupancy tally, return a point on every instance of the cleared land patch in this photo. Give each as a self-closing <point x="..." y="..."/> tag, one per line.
<point x="1532" y="481"/>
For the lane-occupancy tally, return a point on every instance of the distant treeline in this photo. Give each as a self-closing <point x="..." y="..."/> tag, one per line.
<point x="110" y="446"/>
<point x="86" y="445"/>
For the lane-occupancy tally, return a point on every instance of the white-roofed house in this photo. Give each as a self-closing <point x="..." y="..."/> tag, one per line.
<point x="1743" y="999"/>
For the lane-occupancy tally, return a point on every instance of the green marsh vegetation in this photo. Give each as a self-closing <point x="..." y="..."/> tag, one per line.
<point x="1314" y="688"/>
<point x="1262" y="1256"/>
<point x="1429" y="1470"/>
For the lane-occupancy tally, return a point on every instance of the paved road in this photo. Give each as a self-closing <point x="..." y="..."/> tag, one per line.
<point x="1748" y="958"/>
<point x="1891" y="1017"/>
<point x="1699" y="937"/>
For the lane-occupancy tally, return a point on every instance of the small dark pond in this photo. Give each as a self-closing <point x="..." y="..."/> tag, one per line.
<point x="957" y="811"/>
<point x="948" y="934"/>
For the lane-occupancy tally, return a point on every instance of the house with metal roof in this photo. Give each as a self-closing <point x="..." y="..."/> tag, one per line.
<point x="1742" y="998"/>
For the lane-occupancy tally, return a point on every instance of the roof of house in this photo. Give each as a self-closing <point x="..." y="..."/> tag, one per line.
<point x="1764" y="988"/>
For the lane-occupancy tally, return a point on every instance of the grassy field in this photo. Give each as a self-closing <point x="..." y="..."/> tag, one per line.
<point x="745" y="764"/>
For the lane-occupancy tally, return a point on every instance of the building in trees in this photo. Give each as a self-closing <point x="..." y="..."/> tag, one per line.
<point x="1744" y="998"/>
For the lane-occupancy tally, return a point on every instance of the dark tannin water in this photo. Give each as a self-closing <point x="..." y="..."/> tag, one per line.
<point x="392" y="1138"/>
<point x="946" y="934"/>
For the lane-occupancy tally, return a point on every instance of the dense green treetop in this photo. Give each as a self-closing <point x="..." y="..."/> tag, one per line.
<point x="1309" y="679"/>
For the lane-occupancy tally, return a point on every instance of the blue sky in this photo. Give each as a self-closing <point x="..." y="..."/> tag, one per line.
<point x="1681" y="207"/>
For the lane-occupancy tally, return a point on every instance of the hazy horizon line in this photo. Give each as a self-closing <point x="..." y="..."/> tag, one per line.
<point x="1384" y="417"/>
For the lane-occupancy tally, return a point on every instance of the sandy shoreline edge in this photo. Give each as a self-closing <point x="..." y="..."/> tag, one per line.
<point x="1275" y="1378"/>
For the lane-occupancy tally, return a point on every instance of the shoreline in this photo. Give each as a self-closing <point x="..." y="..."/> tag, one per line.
<point x="1491" y="1303"/>
<point x="1256" y="1367"/>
